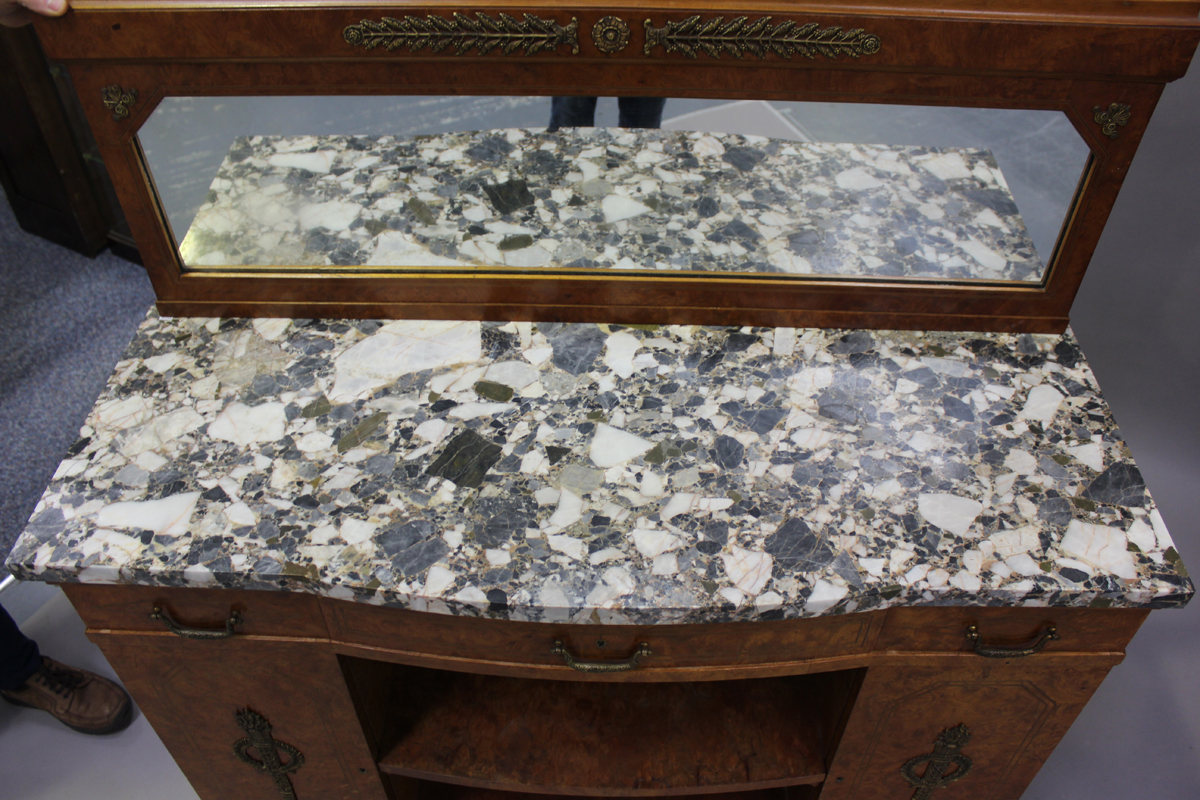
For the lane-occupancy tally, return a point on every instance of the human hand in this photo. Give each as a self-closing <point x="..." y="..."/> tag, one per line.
<point x="15" y="13"/>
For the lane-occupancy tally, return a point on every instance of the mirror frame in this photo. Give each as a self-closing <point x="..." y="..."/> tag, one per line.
<point x="1103" y="63"/>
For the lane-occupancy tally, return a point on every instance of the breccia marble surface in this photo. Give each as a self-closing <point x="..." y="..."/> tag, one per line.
<point x="611" y="199"/>
<point x="601" y="473"/>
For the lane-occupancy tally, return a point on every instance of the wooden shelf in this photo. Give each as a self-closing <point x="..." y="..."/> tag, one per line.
<point x="601" y="738"/>
<point x="410" y="789"/>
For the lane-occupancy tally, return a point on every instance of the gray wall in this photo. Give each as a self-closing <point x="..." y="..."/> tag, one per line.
<point x="1136" y="319"/>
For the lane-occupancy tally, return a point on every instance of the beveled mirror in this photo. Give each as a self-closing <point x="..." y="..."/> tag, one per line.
<point x="811" y="190"/>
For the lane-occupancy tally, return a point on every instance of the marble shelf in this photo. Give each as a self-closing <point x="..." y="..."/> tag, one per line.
<point x="611" y="199"/>
<point x="604" y="473"/>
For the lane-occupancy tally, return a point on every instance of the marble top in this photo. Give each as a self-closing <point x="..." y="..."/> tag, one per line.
<point x="619" y="200"/>
<point x="601" y="473"/>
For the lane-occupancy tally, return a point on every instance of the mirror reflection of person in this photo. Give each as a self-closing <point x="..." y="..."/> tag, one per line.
<point x="15" y="13"/>
<point x="580" y="112"/>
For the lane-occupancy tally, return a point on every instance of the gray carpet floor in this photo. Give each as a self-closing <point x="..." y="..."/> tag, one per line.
<point x="64" y="321"/>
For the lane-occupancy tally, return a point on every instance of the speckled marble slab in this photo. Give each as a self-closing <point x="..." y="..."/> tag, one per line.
<point x="616" y="200"/>
<point x="605" y="473"/>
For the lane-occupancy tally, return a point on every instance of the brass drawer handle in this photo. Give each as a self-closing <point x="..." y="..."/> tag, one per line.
<point x="623" y="665"/>
<point x="197" y="633"/>
<point x="991" y="651"/>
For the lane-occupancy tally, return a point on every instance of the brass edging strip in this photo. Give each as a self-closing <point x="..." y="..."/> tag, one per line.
<point x="548" y="274"/>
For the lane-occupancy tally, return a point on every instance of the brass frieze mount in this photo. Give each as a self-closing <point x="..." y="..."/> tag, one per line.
<point x="740" y="37"/>
<point x="714" y="36"/>
<point x="462" y="33"/>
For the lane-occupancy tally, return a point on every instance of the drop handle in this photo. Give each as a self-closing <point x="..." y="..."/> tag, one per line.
<point x="622" y="665"/>
<point x="160" y="613"/>
<point x="995" y="651"/>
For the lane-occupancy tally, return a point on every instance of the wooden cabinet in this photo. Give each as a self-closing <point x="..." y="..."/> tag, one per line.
<point x="382" y="702"/>
<point x="1099" y="66"/>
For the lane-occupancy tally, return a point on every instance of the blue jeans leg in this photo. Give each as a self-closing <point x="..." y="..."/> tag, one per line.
<point x="572" y="112"/>
<point x="641" y="112"/>
<point x="19" y="656"/>
<point x="580" y="112"/>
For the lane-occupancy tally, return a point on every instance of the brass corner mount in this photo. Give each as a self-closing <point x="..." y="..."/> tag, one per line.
<point x="118" y="100"/>
<point x="1109" y="119"/>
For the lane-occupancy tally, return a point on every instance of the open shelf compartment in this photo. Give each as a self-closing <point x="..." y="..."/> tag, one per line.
<point x="603" y="737"/>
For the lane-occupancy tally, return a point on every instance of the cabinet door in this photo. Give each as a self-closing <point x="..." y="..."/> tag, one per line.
<point x="190" y="691"/>
<point x="1013" y="712"/>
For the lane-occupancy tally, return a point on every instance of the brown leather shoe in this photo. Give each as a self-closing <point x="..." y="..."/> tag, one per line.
<point x="79" y="699"/>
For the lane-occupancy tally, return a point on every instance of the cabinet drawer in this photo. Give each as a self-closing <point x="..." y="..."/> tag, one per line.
<point x="502" y="646"/>
<point x="128" y="608"/>
<point x="944" y="629"/>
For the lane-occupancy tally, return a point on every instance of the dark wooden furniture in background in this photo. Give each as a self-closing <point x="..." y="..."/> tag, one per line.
<point x="388" y="703"/>
<point x="1103" y="63"/>
<point x="50" y="169"/>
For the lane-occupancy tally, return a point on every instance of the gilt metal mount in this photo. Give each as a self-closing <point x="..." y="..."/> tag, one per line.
<point x="160" y="614"/>
<point x="118" y="100"/>
<point x="610" y="35"/>
<point x="1108" y="119"/>
<point x="760" y="38"/>
<point x="462" y="33"/>
<point x="621" y="665"/>
<point x="946" y="764"/>
<point x="993" y="651"/>
<point x="258" y="736"/>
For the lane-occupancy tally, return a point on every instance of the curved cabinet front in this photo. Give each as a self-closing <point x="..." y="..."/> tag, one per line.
<point x="376" y="702"/>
